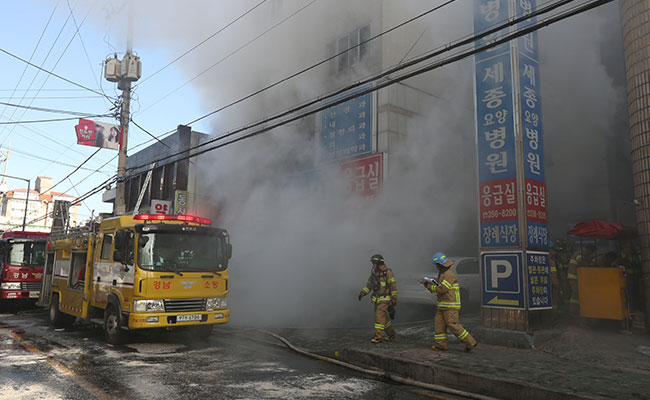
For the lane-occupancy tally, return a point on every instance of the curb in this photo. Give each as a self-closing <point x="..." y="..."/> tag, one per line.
<point x="454" y="378"/>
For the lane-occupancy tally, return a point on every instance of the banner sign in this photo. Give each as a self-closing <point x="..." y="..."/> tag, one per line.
<point x="539" y="280"/>
<point x="346" y="129"/>
<point x="497" y="156"/>
<point x="531" y="128"/>
<point x="365" y="175"/>
<point x="98" y="134"/>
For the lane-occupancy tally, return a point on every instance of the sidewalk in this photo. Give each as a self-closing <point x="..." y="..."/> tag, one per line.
<point x="579" y="362"/>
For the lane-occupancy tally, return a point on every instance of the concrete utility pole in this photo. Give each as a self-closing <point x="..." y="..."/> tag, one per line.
<point x="636" y="44"/>
<point x="128" y="70"/>
<point x="120" y="195"/>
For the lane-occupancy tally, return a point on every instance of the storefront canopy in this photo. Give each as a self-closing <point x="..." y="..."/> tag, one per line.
<point x="602" y="230"/>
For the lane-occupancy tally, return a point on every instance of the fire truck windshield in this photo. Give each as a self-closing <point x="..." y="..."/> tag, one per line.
<point x="180" y="252"/>
<point x="26" y="254"/>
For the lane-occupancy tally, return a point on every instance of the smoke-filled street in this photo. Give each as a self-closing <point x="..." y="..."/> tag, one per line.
<point x="235" y="363"/>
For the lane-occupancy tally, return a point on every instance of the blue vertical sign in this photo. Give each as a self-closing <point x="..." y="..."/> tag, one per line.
<point x="497" y="157"/>
<point x="538" y="266"/>
<point x="346" y="129"/>
<point x="531" y="130"/>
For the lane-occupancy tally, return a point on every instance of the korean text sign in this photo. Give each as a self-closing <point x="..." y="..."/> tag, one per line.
<point x="538" y="274"/>
<point x="346" y="129"/>
<point x="365" y="175"/>
<point x="531" y="130"/>
<point x="497" y="167"/>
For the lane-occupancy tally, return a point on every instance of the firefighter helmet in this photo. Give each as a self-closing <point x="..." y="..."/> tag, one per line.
<point x="377" y="259"/>
<point x="441" y="258"/>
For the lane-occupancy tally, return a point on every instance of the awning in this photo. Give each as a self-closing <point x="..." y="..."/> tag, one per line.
<point x="602" y="230"/>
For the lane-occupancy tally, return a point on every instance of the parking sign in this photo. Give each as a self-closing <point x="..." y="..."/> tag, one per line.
<point x="503" y="280"/>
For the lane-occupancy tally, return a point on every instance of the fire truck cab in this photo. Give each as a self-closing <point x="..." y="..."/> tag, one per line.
<point x="22" y="257"/>
<point x="143" y="271"/>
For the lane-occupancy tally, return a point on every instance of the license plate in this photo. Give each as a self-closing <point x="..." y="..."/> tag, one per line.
<point x="188" y="317"/>
<point x="34" y="295"/>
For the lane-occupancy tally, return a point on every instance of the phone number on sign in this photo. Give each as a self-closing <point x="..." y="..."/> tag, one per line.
<point x="505" y="213"/>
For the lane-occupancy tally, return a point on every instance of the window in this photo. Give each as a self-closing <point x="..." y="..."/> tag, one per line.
<point x="468" y="267"/>
<point x="106" y="246"/>
<point x="350" y="41"/>
<point x="77" y="270"/>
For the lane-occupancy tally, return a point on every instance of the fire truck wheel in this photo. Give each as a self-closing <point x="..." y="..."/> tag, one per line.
<point x="112" y="326"/>
<point x="59" y="319"/>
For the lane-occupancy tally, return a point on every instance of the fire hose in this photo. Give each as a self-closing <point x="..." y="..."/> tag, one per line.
<point x="380" y="374"/>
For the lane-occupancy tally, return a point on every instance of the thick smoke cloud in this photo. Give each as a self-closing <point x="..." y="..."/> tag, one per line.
<point x="302" y="245"/>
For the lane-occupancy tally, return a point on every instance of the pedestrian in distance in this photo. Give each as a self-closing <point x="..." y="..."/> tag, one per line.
<point x="384" y="296"/>
<point x="448" y="306"/>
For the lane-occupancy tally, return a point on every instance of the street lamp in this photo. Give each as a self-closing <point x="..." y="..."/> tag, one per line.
<point x="27" y="199"/>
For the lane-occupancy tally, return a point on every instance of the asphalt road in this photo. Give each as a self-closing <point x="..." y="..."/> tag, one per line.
<point x="37" y="362"/>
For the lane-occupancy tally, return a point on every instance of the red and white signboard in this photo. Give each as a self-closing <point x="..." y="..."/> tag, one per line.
<point x="99" y="134"/>
<point x="365" y="175"/>
<point x="161" y="207"/>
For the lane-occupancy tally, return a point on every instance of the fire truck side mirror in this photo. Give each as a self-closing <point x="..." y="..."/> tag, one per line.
<point x="118" y="255"/>
<point x="228" y="251"/>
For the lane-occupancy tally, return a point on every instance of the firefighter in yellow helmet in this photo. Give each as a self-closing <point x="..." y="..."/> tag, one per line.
<point x="448" y="290"/>
<point x="384" y="296"/>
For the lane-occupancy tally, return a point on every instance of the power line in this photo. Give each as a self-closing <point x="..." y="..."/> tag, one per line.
<point x="50" y="110"/>
<point x="390" y="81"/>
<point x="53" y="74"/>
<point x="75" y="170"/>
<point x="32" y="55"/>
<point x="230" y="54"/>
<point x="201" y="43"/>
<point x="23" y="153"/>
<point x="313" y="66"/>
<point x="38" y="121"/>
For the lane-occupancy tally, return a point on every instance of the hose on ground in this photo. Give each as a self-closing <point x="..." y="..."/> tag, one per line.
<point x="381" y="374"/>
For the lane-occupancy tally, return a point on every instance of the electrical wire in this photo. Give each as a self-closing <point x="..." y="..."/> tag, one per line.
<point x="75" y="170"/>
<point x="38" y="121"/>
<point x="50" y="110"/>
<point x="23" y="153"/>
<point x="52" y="73"/>
<point x="390" y="81"/>
<point x="231" y="54"/>
<point x="200" y="43"/>
<point x="313" y="66"/>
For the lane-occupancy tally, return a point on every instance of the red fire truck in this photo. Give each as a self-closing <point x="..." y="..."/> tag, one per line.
<point x="22" y="258"/>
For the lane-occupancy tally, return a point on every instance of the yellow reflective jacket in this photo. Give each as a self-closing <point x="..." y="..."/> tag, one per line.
<point x="382" y="284"/>
<point x="448" y="291"/>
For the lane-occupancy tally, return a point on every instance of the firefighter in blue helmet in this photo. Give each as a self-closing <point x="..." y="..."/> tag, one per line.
<point x="448" y="306"/>
<point x="384" y="296"/>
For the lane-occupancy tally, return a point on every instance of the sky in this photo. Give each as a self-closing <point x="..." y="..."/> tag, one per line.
<point x="46" y="32"/>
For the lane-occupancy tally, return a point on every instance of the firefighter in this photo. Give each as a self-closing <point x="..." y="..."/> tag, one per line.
<point x="384" y="296"/>
<point x="581" y="258"/>
<point x="555" y="280"/>
<point x="448" y="305"/>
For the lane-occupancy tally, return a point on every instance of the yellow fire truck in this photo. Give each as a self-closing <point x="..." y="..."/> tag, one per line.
<point x="142" y="271"/>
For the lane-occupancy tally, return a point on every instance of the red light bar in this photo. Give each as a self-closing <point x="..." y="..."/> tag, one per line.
<point x="172" y="217"/>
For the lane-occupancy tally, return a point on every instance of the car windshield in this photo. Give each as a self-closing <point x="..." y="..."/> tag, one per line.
<point x="26" y="254"/>
<point x="180" y="252"/>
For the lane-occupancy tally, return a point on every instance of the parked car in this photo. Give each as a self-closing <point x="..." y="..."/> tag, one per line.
<point x="465" y="268"/>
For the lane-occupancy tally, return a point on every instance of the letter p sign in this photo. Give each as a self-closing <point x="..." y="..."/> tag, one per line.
<point x="500" y="269"/>
<point x="502" y="272"/>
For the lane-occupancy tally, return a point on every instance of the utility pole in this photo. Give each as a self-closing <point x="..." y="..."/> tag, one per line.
<point x="124" y="71"/>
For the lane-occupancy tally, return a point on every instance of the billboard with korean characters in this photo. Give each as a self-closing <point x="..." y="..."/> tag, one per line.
<point x="531" y="128"/>
<point x="99" y="134"/>
<point x="346" y="129"/>
<point x="365" y="175"/>
<point x="497" y="155"/>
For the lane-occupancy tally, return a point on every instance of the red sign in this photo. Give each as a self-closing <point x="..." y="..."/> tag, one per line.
<point x="536" y="201"/>
<point x="365" y="175"/>
<point x="98" y="134"/>
<point x="498" y="200"/>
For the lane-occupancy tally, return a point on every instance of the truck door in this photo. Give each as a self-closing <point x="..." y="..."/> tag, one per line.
<point x="46" y="284"/>
<point x="103" y="258"/>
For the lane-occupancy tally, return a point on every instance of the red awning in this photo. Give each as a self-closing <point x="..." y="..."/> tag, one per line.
<point x="602" y="230"/>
